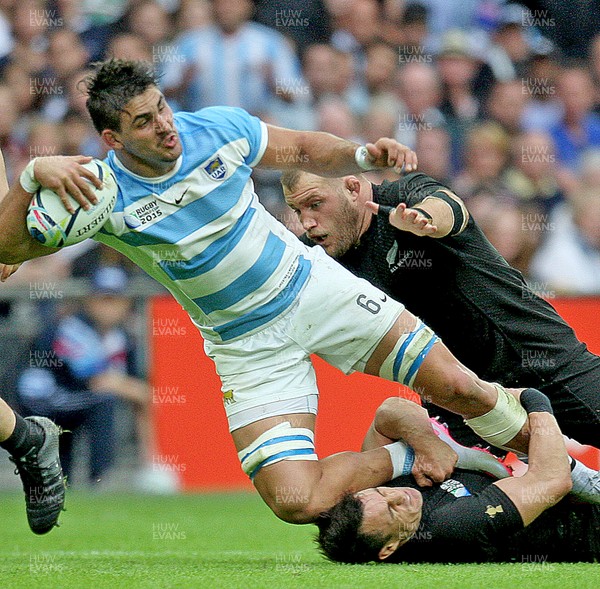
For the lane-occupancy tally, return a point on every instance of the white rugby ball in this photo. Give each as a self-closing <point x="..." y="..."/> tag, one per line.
<point x="53" y="226"/>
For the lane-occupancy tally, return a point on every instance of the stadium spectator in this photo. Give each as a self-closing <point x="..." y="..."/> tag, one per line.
<point x="456" y="63"/>
<point x="492" y="321"/>
<point x="192" y="15"/>
<point x="149" y="21"/>
<point x="234" y="62"/>
<point x="67" y="56"/>
<point x="147" y="139"/>
<point x="29" y="28"/>
<point x="579" y="128"/>
<point x="445" y="15"/>
<point x="457" y="66"/>
<point x="94" y="30"/>
<point x="590" y="171"/>
<point x="543" y="109"/>
<point x="433" y="147"/>
<point x="486" y="156"/>
<point x="508" y="53"/>
<point x="305" y="22"/>
<point x="568" y="260"/>
<point x="335" y="117"/>
<point x="471" y="517"/>
<point x="506" y="105"/>
<point x="420" y="92"/>
<point x="594" y="61"/>
<point x="410" y="34"/>
<point x="78" y="370"/>
<point x="320" y="67"/>
<point x="45" y="138"/>
<point x="362" y="28"/>
<point x="381" y="77"/>
<point x="328" y="75"/>
<point x="128" y="46"/>
<point x="11" y="148"/>
<point x="572" y="30"/>
<point x="533" y="174"/>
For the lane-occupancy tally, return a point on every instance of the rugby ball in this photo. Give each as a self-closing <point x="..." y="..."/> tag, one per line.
<point x="53" y="226"/>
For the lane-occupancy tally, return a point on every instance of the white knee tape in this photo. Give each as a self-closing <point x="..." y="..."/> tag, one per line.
<point x="404" y="361"/>
<point x="281" y="442"/>
<point x="502" y="423"/>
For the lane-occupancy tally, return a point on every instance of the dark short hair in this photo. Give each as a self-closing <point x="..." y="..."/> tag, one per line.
<point x="112" y="85"/>
<point x="340" y="538"/>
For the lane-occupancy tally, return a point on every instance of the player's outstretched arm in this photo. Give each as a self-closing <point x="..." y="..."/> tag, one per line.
<point x="327" y="155"/>
<point x="548" y="478"/>
<point x="64" y="175"/>
<point x="439" y="214"/>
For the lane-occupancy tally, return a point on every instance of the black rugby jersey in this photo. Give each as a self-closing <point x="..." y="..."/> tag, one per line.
<point x="466" y="292"/>
<point x="469" y="519"/>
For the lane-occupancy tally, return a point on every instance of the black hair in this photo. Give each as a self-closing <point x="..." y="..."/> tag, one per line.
<point x="112" y="85"/>
<point x="340" y="538"/>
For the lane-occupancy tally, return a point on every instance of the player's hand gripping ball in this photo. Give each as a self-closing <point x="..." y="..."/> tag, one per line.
<point x="53" y="226"/>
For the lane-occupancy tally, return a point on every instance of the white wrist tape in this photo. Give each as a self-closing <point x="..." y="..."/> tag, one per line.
<point x="361" y="155"/>
<point x="27" y="179"/>
<point x="403" y="458"/>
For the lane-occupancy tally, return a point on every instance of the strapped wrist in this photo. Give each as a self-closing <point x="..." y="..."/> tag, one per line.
<point x="27" y="178"/>
<point x="361" y="156"/>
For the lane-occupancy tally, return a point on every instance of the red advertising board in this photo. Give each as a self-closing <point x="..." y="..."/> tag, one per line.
<point x="192" y="435"/>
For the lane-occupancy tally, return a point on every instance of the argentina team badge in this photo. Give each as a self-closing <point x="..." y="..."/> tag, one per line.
<point x="216" y="169"/>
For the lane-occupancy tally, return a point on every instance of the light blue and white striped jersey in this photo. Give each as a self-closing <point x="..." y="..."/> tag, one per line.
<point x="201" y="232"/>
<point x="242" y="69"/>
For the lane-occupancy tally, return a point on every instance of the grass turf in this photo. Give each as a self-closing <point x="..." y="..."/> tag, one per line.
<point x="219" y="541"/>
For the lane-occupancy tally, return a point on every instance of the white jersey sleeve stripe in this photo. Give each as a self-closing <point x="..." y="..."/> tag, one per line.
<point x="263" y="145"/>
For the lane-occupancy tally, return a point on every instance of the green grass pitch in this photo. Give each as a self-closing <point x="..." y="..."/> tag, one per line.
<point x="227" y="541"/>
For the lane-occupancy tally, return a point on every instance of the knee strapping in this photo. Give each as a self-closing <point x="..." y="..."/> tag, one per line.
<point x="502" y="423"/>
<point x="404" y="361"/>
<point x="281" y="442"/>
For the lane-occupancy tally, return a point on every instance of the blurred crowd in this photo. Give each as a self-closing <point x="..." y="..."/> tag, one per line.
<point x="499" y="100"/>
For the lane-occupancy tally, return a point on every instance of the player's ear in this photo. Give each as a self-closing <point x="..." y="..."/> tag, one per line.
<point x="111" y="138"/>
<point x="352" y="184"/>
<point x="388" y="549"/>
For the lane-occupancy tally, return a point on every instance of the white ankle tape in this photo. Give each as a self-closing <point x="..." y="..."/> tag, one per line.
<point x="281" y="442"/>
<point x="502" y="423"/>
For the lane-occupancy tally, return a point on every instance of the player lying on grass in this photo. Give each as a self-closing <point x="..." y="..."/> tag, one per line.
<point x="431" y="255"/>
<point x="187" y="213"/>
<point x="470" y="517"/>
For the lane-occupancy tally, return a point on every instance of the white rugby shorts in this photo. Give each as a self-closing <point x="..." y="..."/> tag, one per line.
<point x="337" y="316"/>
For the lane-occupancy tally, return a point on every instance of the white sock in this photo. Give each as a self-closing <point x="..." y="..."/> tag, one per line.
<point x="586" y="482"/>
<point x="472" y="458"/>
